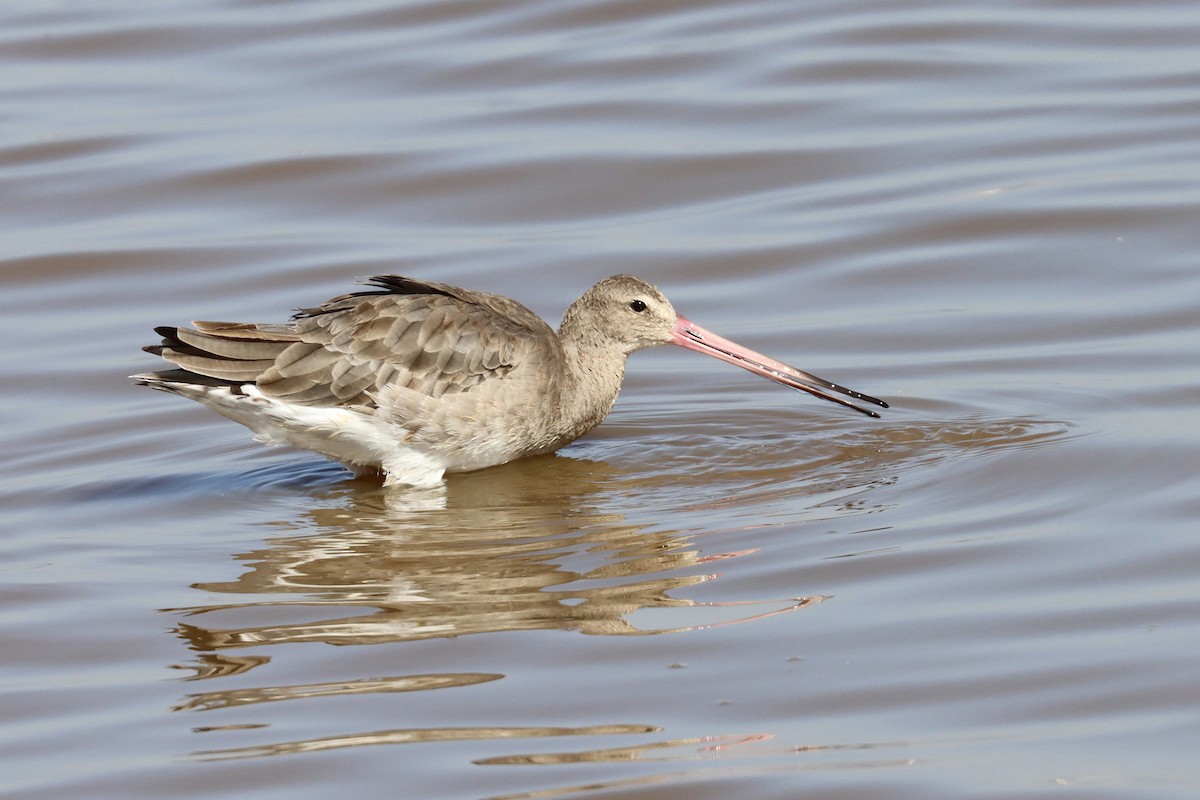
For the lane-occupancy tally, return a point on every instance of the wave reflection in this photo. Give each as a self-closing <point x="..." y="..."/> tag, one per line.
<point x="378" y="571"/>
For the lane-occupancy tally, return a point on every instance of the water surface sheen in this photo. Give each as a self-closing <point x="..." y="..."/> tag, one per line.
<point x="984" y="213"/>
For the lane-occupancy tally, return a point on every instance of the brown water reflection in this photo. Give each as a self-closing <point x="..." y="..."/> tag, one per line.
<point x="643" y="784"/>
<point x="532" y="546"/>
<point x="518" y="548"/>
<point x="419" y="735"/>
<point x="472" y="559"/>
<point x="207" y="701"/>
<point x="529" y="546"/>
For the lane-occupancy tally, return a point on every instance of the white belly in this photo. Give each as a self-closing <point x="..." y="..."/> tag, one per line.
<point x="361" y="440"/>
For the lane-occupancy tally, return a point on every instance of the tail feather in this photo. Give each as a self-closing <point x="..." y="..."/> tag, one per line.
<point x="232" y="347"/>
<point x="271" y="331"/>
<point x="229" y="352"/>
<point x="183" y="382"/>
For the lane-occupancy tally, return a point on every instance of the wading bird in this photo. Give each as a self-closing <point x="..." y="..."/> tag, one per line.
<point x="414" y="379"/>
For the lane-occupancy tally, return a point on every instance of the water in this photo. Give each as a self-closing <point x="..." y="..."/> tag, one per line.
<point x="985" y="214"/>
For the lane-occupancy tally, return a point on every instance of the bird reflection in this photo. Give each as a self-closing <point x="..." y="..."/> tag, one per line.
<point x="535" y="545"/>
<point x="523" y="547"/>
<point x="500" y="553"/>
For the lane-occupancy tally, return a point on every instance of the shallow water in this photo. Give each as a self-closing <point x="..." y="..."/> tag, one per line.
<point x="984" y="214"/>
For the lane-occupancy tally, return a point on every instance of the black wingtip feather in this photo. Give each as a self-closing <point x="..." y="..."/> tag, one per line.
<point x="386" y="284"/>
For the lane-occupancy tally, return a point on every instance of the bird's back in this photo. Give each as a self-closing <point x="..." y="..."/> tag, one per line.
<point x="466" y="379"/>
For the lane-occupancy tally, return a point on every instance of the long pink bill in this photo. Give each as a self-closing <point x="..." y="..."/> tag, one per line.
<point x="690" y="335"/>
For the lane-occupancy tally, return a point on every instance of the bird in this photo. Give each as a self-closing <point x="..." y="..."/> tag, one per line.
<point x="412" y="379"/>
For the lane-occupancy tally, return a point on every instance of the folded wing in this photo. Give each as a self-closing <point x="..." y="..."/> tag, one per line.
<point x="429" y="337"/>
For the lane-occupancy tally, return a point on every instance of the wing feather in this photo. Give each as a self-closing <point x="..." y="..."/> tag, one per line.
<point x="428" y="337"/>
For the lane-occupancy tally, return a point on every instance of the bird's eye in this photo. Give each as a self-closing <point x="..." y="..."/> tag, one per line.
<point x="638" y="306"/>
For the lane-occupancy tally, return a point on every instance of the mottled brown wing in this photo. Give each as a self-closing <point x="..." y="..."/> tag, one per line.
<point x="429" y="337"/>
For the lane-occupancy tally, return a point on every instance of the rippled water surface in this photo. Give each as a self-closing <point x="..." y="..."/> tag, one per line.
<point x="984" y="213"/>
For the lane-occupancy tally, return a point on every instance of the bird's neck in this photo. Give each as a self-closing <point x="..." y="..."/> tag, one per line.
<point x="595" y="367"/>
